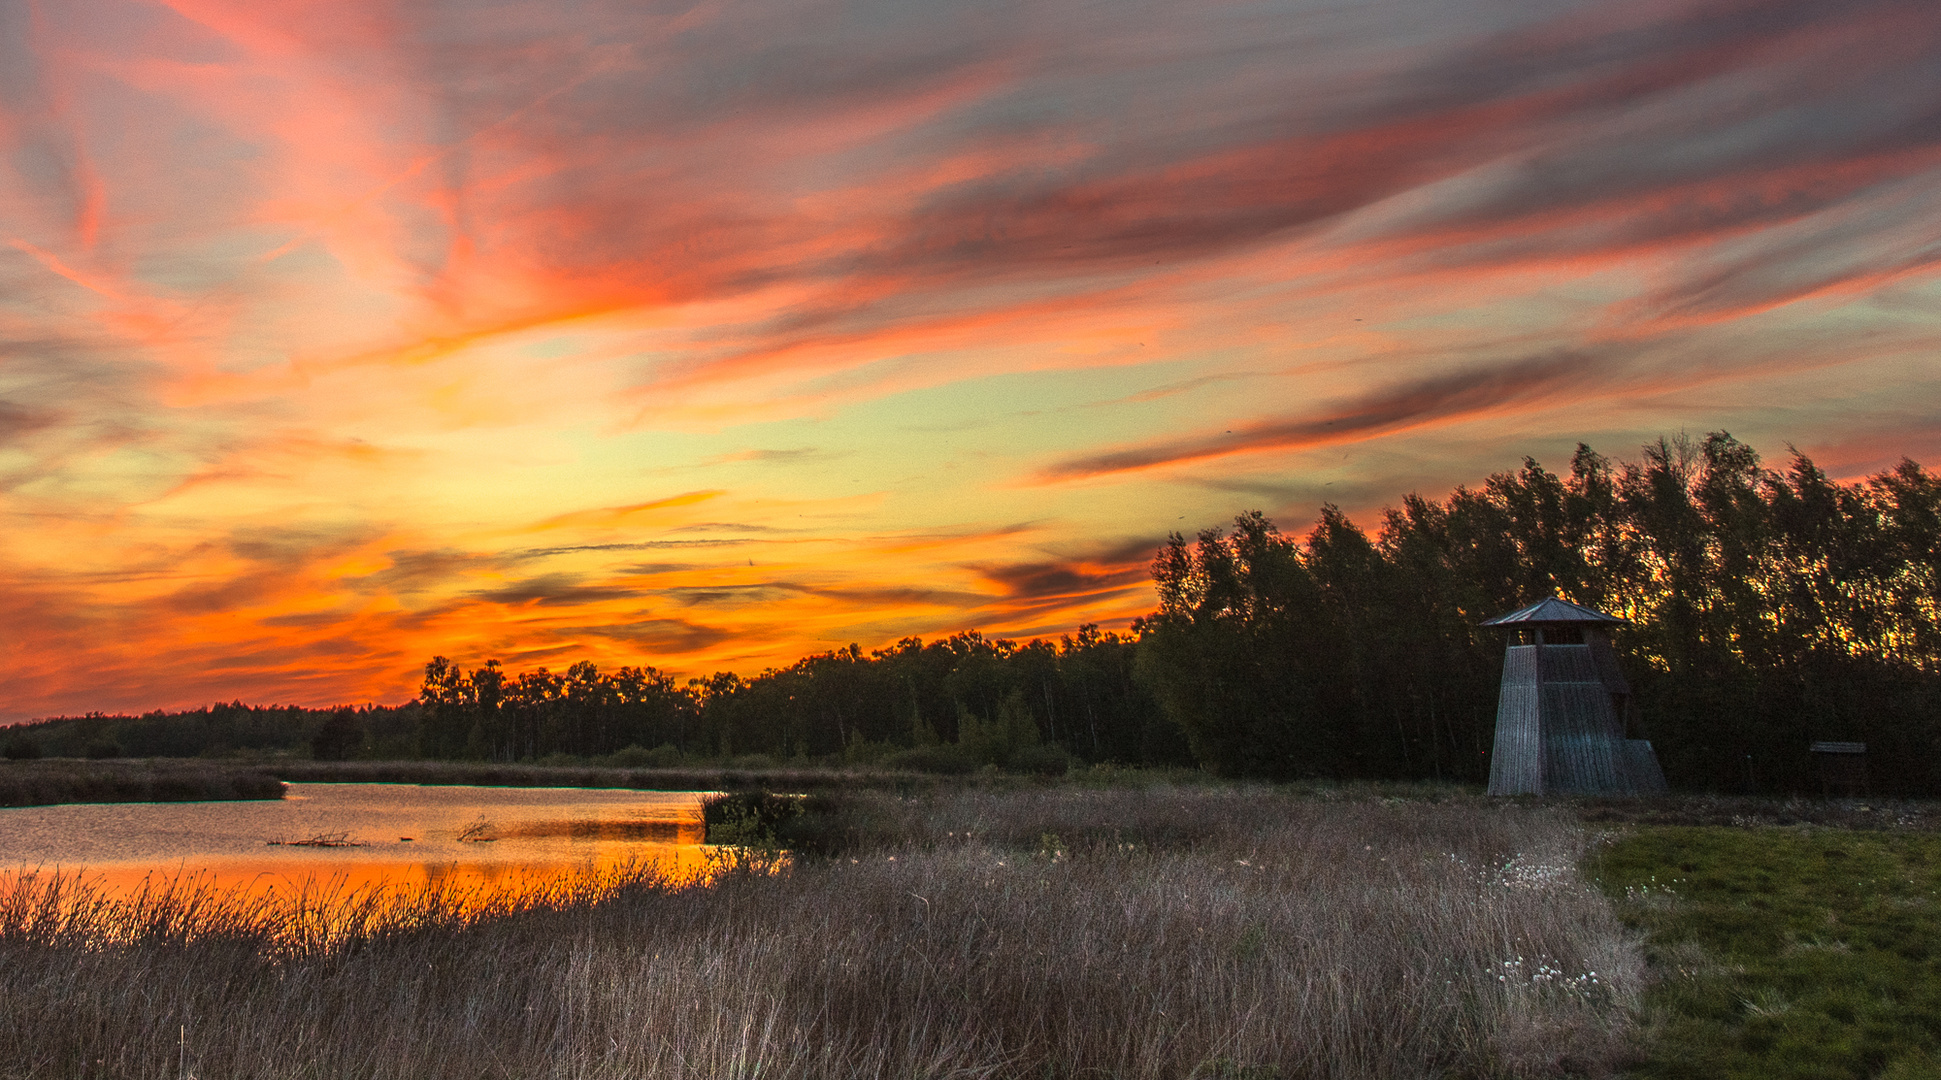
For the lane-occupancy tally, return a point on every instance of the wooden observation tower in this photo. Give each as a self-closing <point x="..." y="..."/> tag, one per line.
<point x="1560" y="717"/>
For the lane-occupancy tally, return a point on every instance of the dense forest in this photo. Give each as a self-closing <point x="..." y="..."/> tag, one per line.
<point x="1768" y="608"/>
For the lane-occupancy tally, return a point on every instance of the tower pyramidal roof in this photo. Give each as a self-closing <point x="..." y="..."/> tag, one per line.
<point x="1555" y="610"/>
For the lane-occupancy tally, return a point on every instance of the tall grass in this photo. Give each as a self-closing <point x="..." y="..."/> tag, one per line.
<point x="1266" y="936"/>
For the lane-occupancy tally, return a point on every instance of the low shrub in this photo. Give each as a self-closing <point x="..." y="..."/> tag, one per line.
<point x="665" y="756"/>
<point x="943" y="759"/>
<point x="1039" y="760"/>
<point x="22" y="748"/>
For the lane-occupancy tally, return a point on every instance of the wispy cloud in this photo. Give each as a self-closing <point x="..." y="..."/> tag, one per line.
<point x="331" y="337"/>
<point x="1440" y="397"/>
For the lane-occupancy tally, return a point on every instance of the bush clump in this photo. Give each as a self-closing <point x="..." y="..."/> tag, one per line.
<point x="943" y="759"/>
<point x="750" y="819"/>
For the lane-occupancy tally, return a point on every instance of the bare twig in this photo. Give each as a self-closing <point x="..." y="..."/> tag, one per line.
<point x="340" y="839"/>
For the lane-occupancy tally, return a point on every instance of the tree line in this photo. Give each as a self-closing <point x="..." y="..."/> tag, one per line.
<point x="1767" y="607"/>
<point x="950" y="705"/>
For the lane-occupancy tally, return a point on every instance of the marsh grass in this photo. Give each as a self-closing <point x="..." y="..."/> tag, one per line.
<point x="1155" y="933"/>
<point x="66" y="780"/>
<point x="1785" y="952"/>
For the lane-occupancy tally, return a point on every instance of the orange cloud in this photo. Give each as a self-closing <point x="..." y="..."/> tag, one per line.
<point x="333" y="336"/>
<point x="616" y="515"/>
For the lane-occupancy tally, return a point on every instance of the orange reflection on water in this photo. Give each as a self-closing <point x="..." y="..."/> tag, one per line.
<point x="337" y="856"/>
<point x="471" y="882"/>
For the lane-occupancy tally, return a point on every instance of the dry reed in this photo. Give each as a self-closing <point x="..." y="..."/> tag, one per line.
<point x="1218" y="934"/>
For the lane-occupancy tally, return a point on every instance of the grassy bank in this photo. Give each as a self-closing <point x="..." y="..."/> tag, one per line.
<point x="698" y="778"/>
<point x="741" y="774"/>
<point x="44" y="783"/>
<point x="1134" y="933"/>
<point x="1786" y="952"/>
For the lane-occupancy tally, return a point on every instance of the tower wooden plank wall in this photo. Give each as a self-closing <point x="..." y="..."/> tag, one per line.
<point x="1559" y="718"/>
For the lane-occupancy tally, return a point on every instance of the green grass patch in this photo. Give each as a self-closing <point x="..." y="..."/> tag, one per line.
<point x="1784" y="953"/>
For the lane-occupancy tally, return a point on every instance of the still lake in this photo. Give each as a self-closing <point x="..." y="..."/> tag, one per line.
<point x="402" y="834"/>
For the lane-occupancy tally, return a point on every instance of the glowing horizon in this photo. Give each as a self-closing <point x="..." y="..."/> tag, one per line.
<point x="336" y="336"/>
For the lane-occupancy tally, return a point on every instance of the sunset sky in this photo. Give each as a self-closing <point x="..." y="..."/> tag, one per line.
<point x="335" y="335"/>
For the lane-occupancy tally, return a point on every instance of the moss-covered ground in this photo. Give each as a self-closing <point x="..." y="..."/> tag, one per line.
<point x="1784" y="952"/>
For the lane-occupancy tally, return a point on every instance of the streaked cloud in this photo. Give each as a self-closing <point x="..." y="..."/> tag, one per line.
<point x="1441" y="397"/>
<point x="709" y="335"/>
